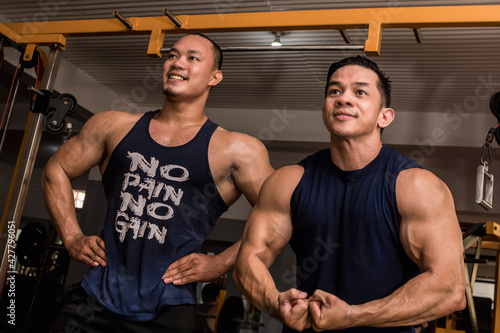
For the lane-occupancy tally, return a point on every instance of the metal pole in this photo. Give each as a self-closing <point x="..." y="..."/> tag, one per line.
<point x="123" y="20"/>
<point x="286" y="48"/>
<point x="470" y="301"/>
<point x="294" y="48"/>
<point x="17" y="80"/>
<point x="24" y="168"/>
<point x="172" y="18"/>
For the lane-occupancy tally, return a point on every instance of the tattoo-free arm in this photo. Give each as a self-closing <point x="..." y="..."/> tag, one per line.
<point x="267" y="231"/>
<point x="73" y="159"/>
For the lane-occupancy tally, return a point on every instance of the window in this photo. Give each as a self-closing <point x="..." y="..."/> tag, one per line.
<point x="79" y="196"/>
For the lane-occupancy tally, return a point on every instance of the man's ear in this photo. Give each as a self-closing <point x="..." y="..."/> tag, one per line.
<point x="216" y="78"/>
<point x="386" y="117"/>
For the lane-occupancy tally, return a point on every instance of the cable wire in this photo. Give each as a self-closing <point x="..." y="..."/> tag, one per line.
<point x="9" y="96"/>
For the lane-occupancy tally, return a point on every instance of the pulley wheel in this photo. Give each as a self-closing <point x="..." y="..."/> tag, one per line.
<point x="68" y="100"/>
<point x="52" y="126"/>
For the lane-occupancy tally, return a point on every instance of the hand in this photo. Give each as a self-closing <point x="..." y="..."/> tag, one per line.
<point x="88" y="249"/>
<point x="328" y="312"/>
<point x="194" y="267"/>
<point x="293" y="309"/>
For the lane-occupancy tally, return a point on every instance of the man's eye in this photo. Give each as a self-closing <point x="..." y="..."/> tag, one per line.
<point x="361" y="92"/>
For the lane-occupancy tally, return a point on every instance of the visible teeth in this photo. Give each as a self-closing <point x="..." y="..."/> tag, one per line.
<point x="176" y="77"/>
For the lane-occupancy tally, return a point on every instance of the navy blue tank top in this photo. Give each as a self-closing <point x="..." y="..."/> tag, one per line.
<point x="162" y="204"/>
<point x="346" y="230"/>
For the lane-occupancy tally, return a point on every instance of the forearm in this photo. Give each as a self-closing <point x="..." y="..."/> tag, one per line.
<point x="422" y="299"/>
<point x="58" y="196"/>
<point x="252" y="277"/>
<point x="227" y="257"/>
<point x="267" y="231"/>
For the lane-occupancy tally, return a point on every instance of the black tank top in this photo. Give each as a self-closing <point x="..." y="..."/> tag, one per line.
<point x="346" y="231"/>
<point x="162" y="204"/>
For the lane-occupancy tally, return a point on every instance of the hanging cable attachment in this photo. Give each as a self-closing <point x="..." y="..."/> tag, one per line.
<point x="55" y="109"/>
<point x="69" y="130"/>
<point x="484" y="180"/>
<point x="487" y="147"/>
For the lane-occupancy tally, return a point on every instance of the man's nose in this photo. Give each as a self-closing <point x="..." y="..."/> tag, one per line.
<point x="344" y="99"/>
<point x="178" y="62"/>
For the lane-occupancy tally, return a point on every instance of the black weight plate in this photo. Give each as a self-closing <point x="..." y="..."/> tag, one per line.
<point x="495" y="105"/>
<point x="29" y="245"/>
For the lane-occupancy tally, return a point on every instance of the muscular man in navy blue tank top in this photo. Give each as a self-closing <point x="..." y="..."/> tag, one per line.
<point x="168" y="175"/>
<point x="377" y="240"/>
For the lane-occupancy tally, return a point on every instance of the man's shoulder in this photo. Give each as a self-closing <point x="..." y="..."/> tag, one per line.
<point x="109" y="121"/>
<point x="233" y="137"/>
<point x="236" y="142"/>
<point x="417" y="174"/>
<point x="120" y="116"/>
<point x="280" y="185"/>
<point x="289" y="175"/>
<point x="290" y="171"/>
<point x="417" y="180"/>
<point x="109" y="127"/>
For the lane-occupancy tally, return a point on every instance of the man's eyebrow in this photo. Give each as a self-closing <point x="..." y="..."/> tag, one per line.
<point x="194" y="51"/>
<point x="173" y="49"/>
<point x="357" y="83"/>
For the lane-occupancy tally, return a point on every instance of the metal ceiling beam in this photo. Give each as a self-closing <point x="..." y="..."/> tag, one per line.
<point x="30" y="41"/>
<point x="375" y="19"/>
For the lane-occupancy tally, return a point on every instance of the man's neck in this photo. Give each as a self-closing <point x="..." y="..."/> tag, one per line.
<point x="182" y="112"/>
<point x="351" y="155"/>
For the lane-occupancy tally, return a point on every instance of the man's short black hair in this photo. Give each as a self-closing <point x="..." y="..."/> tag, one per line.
<point x="217" y="51"/>
<point x="384" y="84"/>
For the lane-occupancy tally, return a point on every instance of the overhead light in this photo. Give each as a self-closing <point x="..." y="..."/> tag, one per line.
<point x="277" y="40"/>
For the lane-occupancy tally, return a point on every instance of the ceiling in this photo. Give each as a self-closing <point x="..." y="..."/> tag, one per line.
<point x="441" y="87"/>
